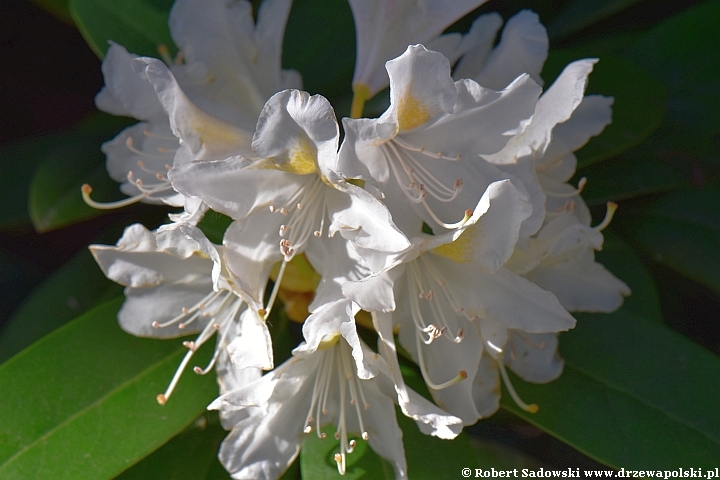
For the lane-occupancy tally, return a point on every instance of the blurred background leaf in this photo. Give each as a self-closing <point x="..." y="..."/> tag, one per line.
<point x="138" y="25"/>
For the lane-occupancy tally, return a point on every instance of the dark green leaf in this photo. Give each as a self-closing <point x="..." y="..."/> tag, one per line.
<point x="80" y="403"/>
<point x="214" y="225"/>
<point x="583" y="13"/>
<point x="680" y="51"/>
<point x="630" y="175"/>
<point x="140" y="26"/>
<point x="317" y="456"/>
<point x="320" y="44"/>
<point x="317" y="460"/>
<point x="54" y="197"/>
<point x="634" y="394"/>
<point x="622" y="261"/>
<point x="191" y="455"/>
<point x="639" y="101"/>
<point x="75" y="288"/>
<point x="682" y="231"/>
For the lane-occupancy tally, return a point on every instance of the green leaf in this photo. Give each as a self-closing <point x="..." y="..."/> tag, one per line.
<point x="633" y="174"/>
<point x="583" y="13"/>
<point x="54" y="197"/>
<point x="321" y="33"/>
<point x="214" y="225"/>
<point x="618" y="257"/>
<point x="317" y="456"/>
<point x="639" y="101"/>
<point x="681" y="231"/>
<point x="317" y="459"/>
<point x="80" y="403"/>
<point x="634" y="394"/>
<point x="140" y="26"/>
<point x="680" y="52"/>
<point x="191" y="455"/>
<point x="75" y="288"/>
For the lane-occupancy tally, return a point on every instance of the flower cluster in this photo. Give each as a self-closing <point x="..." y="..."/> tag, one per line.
<point x="447" y="221"/>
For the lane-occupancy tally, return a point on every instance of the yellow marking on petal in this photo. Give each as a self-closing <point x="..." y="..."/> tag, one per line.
<point x="411" y="112"/>
<point x="217" y="134"/>
<point x="302" y="159"/>
<point x="329" y="341"/>
<point x="462" y="249"/>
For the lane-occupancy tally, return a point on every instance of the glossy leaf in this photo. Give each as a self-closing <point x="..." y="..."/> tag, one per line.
<point x="682" y="231"/>
<point x="633" y="174"/>
<point x="639" y="101"/>
<point x="141" y="26"/>
<point x="80" y="403"/>
<point x="19" y="162"/>
<point x="634" y="394"/>
<point x="75" y="288"/>
<point x="54" y="198"/>
<point x="191" y="455"/>
<point x="679" y="51"/>
<point x="317" y="456"/>
<point x="320" y="44"/>
<point x="583" y="13"/>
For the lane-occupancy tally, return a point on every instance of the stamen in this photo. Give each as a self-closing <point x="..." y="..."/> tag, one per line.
<point x="131" y="147"/>
<point x="87" y="190"/>
<point x="611" y="208"/>
<point x="572" y="193"/>
<point x="276" y="287"/>
<point x="462" y="375"/>
<point x="163" y="397"/>
<point x="531" y="408"/>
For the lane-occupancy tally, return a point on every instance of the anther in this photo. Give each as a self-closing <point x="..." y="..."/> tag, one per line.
<point x="155" y="324"/>
<point x="611" y="208"/>
<point x="197" y="370"/>
<point x="283" y="211"/>
<point x="189" y="345"/>
<point x="161" y="399"/>
<point x="307" y="429"/>
<point x="365" y="436"/>
<point x="272" y="209"/>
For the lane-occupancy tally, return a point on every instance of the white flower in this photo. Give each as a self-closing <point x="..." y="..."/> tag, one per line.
<point x="454" y="300"/>
<point x="202" y="106"/>
<point x="334" y="378"/>
<point x="423" y="152"/>
<point x="176" y="285"/>
<point x="523" y="48"/>
<point x="287" y="201"/>
<point x="561" y="259"/>
<point x="384" y="28"/>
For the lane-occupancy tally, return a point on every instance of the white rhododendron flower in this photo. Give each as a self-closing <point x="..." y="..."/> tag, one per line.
<point x="176" y="284"/>
<point x="447" y="222"/>
<point x="291" y="199"/>
<point x="332" y="379"/>
<point x="384" y="29"/>
<point x="202" y="105"/>
<point x="424" y="152"/>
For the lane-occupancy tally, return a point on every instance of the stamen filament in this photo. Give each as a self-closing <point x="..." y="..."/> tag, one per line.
<point x="611" y="208"/>
<point x="87" y="190"/>
<point x="531" y="408"/>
